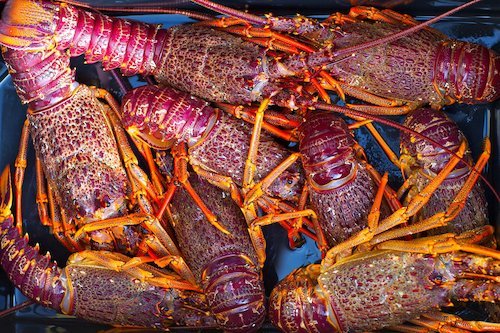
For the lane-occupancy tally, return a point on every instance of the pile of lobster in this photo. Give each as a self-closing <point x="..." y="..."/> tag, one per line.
<point x="163" y="197"/>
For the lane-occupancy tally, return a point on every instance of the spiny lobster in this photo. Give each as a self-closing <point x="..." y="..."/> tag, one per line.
<point x="400" y="75"/>
<point x="421" y="161"/>
<point x="94" y="285"/>
<point x="228" y="268"/>
<point x="93" y="177"/>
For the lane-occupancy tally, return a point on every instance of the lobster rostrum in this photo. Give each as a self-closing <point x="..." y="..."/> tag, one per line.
<point x="419" y="68"/>
<point x="228" y="270"/>
<point x="421" y="161"/>
<point x="94" y="286"/>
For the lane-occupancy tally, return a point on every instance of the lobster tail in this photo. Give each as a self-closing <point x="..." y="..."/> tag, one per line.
<point x="467" y="72"/>
<point x="296" y="306"/>
<point x="35" y="275"/>
<point x="162" y="116"/>
<point x="235" y="293"/>
<point x="39" y="25"/>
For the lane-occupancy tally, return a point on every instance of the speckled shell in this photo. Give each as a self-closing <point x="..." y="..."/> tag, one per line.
<point x="210" y="64"/>
<point x="328" y="157"/>
<point x="80" y="159"/>
<point x="95" y="293"/>
<point x="409" y="68"/>
<point x="110" y="297"/>
<point x="225" y="150"/>
<point x="217" y="142"/>
<point x="377" y="289"/>
<point x="385" y="288"/>
<point x="225" y="265"/>
<point x="79" y="153"/>
<point x="427" y="160"/>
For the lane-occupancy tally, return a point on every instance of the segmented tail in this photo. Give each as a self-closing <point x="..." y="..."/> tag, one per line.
<point x="35" y="275"/>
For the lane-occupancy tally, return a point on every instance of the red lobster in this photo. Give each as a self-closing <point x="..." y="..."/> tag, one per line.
<point x="228" y="270"/>
<point x="421" y="161"/>
<point x="92" y="173"/>
<point x="93" y="286"/>
<point x="384" y="288"/>
<point x="400" y="75"/>
<point x="399" y="282"/>
<point x="217" y="147"/>
<point x="187" y="57"/>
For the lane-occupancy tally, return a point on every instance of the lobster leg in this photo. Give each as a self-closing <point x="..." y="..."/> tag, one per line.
<point x="20" y="164"/>
<point x="181" y="175"/>
<point x="450" y="319"/>
<point x="445" y="243"/>
<point x="136" y="174"/>
<point x="118" y="262"/>
<point x="42" y="199"/>
<point x="367" y="233"/>
<point x="403" y="214"/>
<point x="445" y="322"/>
<point x="248" y="115"/>
<point x="453" y="210"/>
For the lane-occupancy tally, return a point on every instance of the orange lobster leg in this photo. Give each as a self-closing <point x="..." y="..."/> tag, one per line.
<point x="181" y="178"/>
<point x="42" y="199"/>
<point x="444" y="243"/>
<point x="242" y="28"/>
<point x="402" y="215"/>
<point x="442" y="218"/>
<point x="270" y="219"/>
<point x="259" y="188"/>
<point x="61" y="228"/>
<point x="248" y="115"/>
<point x="367" y="233"/>
<point x="476" y="326"/>
<point x="117" y="261"/>
<point x="139" y="180"/>
<point x="20" y="165"/>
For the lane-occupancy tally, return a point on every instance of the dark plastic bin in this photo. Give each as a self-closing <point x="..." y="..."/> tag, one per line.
<point x="478" y="24"/>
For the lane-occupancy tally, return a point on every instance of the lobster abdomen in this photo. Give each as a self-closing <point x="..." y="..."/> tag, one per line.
<point x="467" y="72"/>
<point x="35" y="275"/>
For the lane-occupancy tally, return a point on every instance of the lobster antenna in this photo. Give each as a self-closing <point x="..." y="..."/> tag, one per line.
<point x="393" y="124"/>
<point x="147" y="9"/>
<point x="15" y="308"/>
<point x="257" y="20"/>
